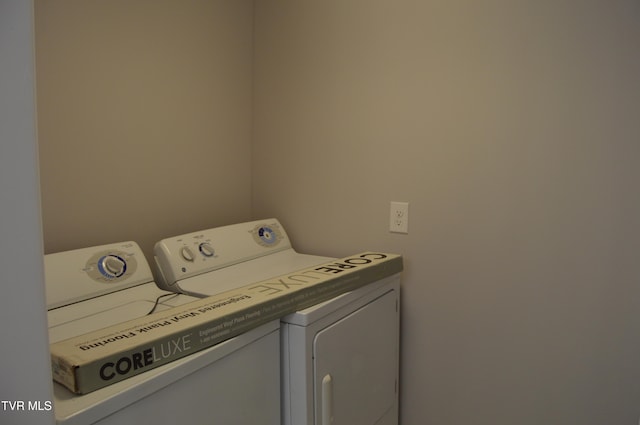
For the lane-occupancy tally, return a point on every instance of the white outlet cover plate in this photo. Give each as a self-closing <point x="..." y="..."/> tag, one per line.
<point x="399" y="217"/>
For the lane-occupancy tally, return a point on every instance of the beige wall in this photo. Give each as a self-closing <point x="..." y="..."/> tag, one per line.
<point x="144" y="113"/>
<point x="512" y="129"/>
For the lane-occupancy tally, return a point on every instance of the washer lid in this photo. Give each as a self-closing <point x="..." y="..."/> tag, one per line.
<point x="105" y="310"/>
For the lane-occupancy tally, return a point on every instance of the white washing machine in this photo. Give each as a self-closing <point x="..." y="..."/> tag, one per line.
<point x="339" y="358"/>
<point x="235" y="382"/>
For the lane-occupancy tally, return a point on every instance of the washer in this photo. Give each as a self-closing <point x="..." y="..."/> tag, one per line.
<point x="339" y="358"/>
<point x="235" y="382"/>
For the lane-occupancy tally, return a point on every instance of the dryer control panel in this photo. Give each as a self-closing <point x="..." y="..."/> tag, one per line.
<point x="73" y="276"/>
<point x="200" y="252"/>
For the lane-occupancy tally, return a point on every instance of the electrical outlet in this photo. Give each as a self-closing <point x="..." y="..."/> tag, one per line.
<point x="399" y="217"/>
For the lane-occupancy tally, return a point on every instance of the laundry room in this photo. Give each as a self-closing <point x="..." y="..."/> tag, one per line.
<point x="509" y="128"/>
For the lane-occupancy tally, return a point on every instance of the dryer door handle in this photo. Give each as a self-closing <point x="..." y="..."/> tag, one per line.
<point x="327" y="400"/>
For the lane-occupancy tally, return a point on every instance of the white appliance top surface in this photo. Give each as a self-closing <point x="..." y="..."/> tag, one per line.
<point x="105" y="310"/>
<point x="116" y="307"/>
<point x="277" y="264"/>
<point x="247" y="272"/>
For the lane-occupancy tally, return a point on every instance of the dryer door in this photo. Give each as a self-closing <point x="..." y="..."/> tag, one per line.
<point x="356" y="365"/>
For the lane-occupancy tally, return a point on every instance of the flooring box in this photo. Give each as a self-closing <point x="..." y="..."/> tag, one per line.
<point x="94" y="360"/>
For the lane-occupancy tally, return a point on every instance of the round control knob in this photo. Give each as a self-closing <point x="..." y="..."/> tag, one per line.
<point x="267" y="235"/>
<point x="112" y="266"/>
<point x="206" y="249"/>
<point x="187" y="254"/>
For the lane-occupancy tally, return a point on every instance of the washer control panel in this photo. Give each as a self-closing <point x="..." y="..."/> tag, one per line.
<point x="111" y="266"/>
<point x="207" y="250"/>
<point x="76" y="275"/>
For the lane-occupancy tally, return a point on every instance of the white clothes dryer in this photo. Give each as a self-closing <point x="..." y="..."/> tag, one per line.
<point x="339" y="358"/>
<point x="234" y="382"/>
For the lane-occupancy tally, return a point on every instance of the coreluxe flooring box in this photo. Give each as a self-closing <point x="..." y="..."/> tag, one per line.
<point x="94" y="360"/>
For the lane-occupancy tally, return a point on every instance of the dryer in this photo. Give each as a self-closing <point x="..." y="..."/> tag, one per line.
<point x="235" y="382"/>
<point x="339" y="358"/>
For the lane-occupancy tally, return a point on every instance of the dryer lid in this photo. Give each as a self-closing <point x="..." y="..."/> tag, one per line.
<point x="242" y="274"/>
